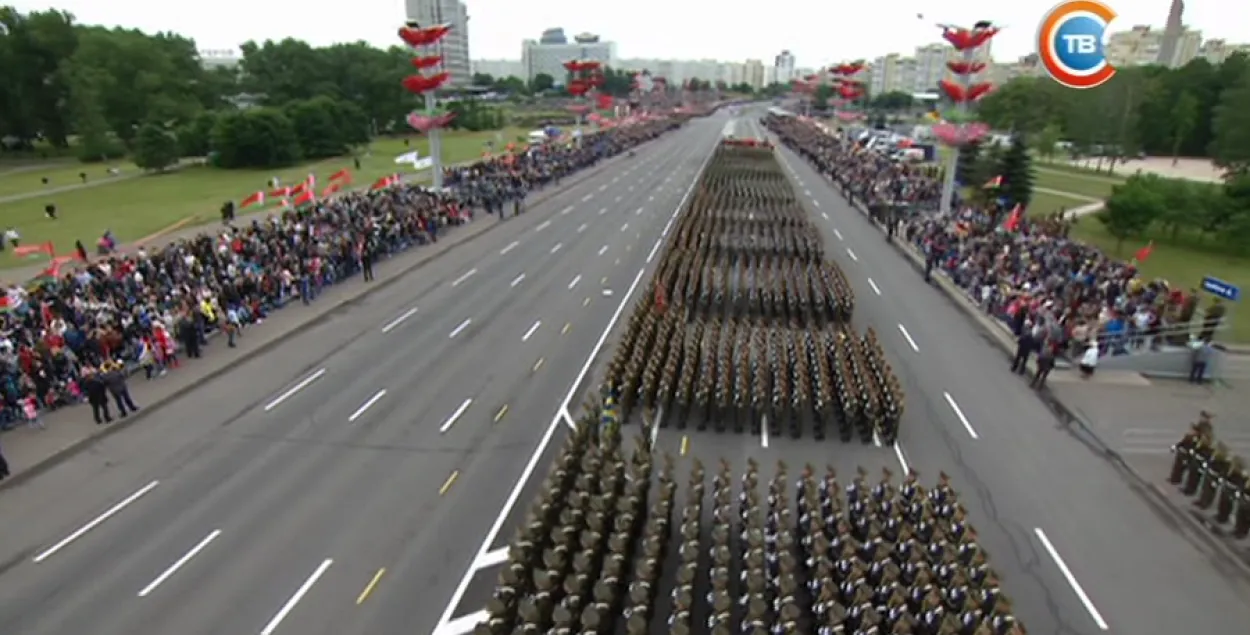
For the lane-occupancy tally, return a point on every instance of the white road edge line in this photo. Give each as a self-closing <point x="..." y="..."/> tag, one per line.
<point x="463" y="325"/>
<point x="817" y="204"/>
<point x="903" y="329"/>
<point x="838" y="234"/>
<point x="852" y="254"/>
<point x="517" y="280"/>
<point x="492" y="558"/>
<point x="825" y="215"/>
<point x="451" y="421"/>
<point x="902" y="458"/>
<point x="950" y="401"/>
<point x="303" y="383"/>
<point x="96" y="522"/>
<point x="512" y="245"/>
<point x="573" y="283"/>
<point x="178" y="564"/>
<point x="654" y="249"/>
<point x="874" y="286"/>
<point x="390" y="326"/>
<point x="299" y="595"/>
<point x="461" y="626"/>
<point x="530" y="332"/>
<point x="366" y="405"/>
<point x="1067" y="574"/>
<point x="468" y="274"/>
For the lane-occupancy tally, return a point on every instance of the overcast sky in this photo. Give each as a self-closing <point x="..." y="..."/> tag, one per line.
<point x="816" y="31"/>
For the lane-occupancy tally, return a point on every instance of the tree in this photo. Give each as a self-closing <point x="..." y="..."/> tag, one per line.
<point x="255" y="138"/>
<point x="1184" y="119"/>
<point x="1047" y="140"/>
<point x="542" y="82"/>
<point x="483" y="80"/>
<point x="1130" y="210"/>
<point x="195" y="136"/>
<point x="512" y="85"/>
<point x="155" y="148"/>
<point x="893" y="101"/>
<point x="1016" y="168"/>
<point x="1230" y="147"/>
<point x="966" y="169"/>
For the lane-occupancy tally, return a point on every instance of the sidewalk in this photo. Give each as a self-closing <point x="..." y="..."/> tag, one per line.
<point x="70" y="430"/>
<point x="1139" y="425"/>
<point x="1132" y="421"/>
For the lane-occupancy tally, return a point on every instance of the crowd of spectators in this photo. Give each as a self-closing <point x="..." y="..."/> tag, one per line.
<point x="1049" y="289"/>
<point x="67" y="337"/>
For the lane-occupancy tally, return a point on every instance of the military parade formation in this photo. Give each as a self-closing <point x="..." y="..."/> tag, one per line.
<point x="1206" y="469"/>
<point x="614" y="545"/>
<point x="750" y="325"/>
<point x="756" y="333"/>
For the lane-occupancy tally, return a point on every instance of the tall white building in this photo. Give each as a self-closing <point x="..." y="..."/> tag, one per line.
<point x="499" y="69"/>
<point x="783" y="67"/>
<point x="455" y="47"/>
<point x="548" y="55"/>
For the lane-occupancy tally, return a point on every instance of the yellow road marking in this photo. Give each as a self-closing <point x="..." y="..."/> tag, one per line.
<point x="538" y="364"/>
<point x="586" y="302"/>
<point x="447" y="484"/>
<point x="685" y="444"/>
<point x="502" y="411"/>
<point x="364" y="595"/>
<point x="567" y="326"/>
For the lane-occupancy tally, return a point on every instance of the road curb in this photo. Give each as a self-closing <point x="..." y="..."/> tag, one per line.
<point x="76" y="447"/>
<point x="1076" y="422"/>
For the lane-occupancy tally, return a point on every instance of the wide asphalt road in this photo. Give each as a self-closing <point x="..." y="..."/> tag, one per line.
<point x="1078" y="549"/>
<point x="352" y="480"/>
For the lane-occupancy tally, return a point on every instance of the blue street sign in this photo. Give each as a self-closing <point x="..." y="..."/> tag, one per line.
<point x="1219" y="288"/>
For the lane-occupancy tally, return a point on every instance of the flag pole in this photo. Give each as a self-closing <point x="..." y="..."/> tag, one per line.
<point x="436" y="140"/>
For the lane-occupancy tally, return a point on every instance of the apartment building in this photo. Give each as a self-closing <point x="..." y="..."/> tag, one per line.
<point x="455" y="47"/>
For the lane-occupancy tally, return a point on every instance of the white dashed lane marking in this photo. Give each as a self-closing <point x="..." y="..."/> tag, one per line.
<point x="517" y="280"/>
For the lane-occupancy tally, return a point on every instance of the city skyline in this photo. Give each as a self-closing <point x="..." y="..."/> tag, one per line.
<point x="816" y="34"/>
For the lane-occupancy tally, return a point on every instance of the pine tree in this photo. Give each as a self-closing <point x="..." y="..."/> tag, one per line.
<point x="1016" y="168"/>
<point x="966" y="163"/>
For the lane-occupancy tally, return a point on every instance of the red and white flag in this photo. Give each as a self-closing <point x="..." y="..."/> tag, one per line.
<point x="255" y="199"/>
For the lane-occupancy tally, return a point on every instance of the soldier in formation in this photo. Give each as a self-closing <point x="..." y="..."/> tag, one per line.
<point x="754" y="330"/>
<point x="610" y="547"/>
<point x="1205" y="468"/>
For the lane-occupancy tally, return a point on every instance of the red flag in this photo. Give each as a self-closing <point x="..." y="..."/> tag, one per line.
<point x="1013" y="221"/>
<point x="342" y="175"/>
<point x="6" y="304"/>
<point x="306" y="198"/>
<point x="1144" y="252"/>
<point x="330" y="189"/>
<point x="384" y="182"/>
<point x="281" y="192"/>
<point x="298" y="190"/>
<point x="995" y="182"/>
<point x="28" y="251"/>
<point x="256" y="199"/>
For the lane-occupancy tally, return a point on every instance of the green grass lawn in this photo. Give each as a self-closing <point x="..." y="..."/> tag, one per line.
<point x="1182" y="263"/>
<point x="29" y="180"/>
<point x="137" y="208"/>
<point x="1085" y="184"/>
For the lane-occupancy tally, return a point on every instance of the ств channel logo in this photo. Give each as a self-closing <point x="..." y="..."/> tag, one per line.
<point x="1070" y="43"/>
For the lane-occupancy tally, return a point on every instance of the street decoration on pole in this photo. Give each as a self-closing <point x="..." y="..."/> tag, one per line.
<point x="585" y="76"/>
<point x="425" y="82"/>
<point x="848" y="90"/>
<point x="957" y="129"/>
